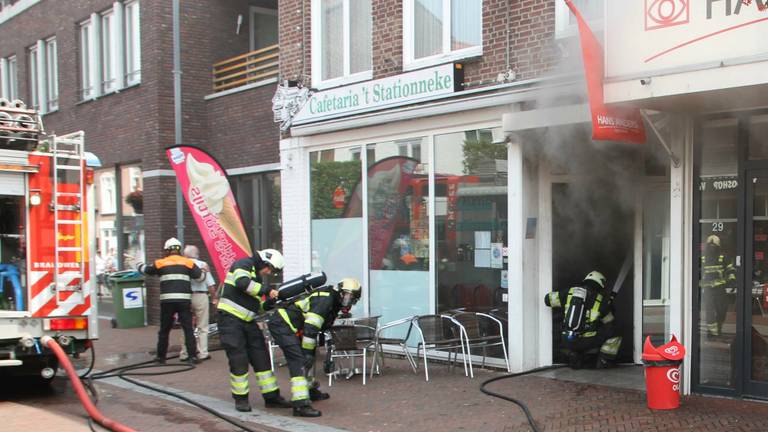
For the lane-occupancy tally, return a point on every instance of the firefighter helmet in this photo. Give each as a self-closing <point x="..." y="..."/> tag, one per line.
<point x="172" y="244"/>
<point x="713" y="240"/>
<point x="273" y="258"/>
<point x="597" y="278"/>
<point x="351" y="291"/>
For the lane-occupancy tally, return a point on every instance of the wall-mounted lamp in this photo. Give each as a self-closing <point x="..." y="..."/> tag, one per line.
<point x="35" y="199"/>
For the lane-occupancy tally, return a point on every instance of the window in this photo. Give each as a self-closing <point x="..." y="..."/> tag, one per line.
<point x="108" y="55"/>
<point x="33" y="77"/>
<point x="436" y="31"/>
<point x="107" y="193"/>
<point x="565" y="22"/>
<point x="52" y="75"/>
<point x="341" y="50"/>
<point x="263" y="28"/>
<point x="86" y="61"/>
<point x="8" y="78"/>
<point x="132" y="44"/>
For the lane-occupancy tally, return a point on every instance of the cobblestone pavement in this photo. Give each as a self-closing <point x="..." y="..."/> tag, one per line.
<point x="397" y="400"/>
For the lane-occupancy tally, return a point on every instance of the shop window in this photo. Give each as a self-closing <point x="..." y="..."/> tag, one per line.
<point x="438" y="31"/>
<point x="716" y="287"/>
<point x="341" y="35"/>
<point x="107" y="193"/>
<point x="471" y="220"/>
<point x="337" y="214"/>
<point x="758" y="137"/>
<point x="258" y="197"/>
<point x="398" y="230"/>
<point x="132" y="201"/>
<point x="656" y="238"/>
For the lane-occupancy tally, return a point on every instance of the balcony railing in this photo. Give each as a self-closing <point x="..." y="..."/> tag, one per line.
<point x="246" y="68"/>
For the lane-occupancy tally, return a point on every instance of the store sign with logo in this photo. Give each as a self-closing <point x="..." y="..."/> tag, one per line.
<point x="404" y="89"/>
<point x="644" y="37"/>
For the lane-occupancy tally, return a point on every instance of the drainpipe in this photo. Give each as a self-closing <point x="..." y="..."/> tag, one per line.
<point x="177" y="113"/>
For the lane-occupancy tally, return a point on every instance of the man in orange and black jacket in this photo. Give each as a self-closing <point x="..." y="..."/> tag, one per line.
<point x="176" y="274"/>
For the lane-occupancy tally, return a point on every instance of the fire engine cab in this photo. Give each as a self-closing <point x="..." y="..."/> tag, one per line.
<point x="47" y="241"/>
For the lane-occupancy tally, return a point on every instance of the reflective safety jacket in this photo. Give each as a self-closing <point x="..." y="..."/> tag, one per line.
<point x="598" y="310"/>
<point x="176" y="273"/>
<point x="311" y="315"/>
<point x="244" y="294"/>
<point x="717" y="272"/>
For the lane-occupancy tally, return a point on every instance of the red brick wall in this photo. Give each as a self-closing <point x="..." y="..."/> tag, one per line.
<point x="531" y="25"/>
<point x="137" y="124"/>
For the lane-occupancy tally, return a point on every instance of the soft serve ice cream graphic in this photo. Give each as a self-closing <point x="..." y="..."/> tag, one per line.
<point x="215" y="191"/>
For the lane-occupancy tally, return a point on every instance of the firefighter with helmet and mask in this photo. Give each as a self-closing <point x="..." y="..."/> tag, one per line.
<point x="242" y="299"/>
<point x="588" y="329"/>
<point x="295" y="327"/>
<point x="718" y="279"/>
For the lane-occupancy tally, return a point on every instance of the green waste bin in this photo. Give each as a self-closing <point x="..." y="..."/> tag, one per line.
<point x="128" y="296"/>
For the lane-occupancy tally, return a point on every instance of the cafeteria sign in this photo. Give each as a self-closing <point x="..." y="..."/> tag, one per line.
<point x="388" y="92"/>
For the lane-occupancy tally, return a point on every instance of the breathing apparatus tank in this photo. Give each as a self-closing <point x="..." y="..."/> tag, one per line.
<point x="574" y="315"/>
<point x="301" y="285"/>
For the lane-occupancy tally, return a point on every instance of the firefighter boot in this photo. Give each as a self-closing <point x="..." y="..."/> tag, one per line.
<point x="305" y="410"/>
<point x="316" y="395"/>
<point x="242" y="404"/>
<point x="276" y="401"/>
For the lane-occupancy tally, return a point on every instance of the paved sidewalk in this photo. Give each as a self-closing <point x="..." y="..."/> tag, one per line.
<point x="17" y="417"/>
<point x="399" y="400"/>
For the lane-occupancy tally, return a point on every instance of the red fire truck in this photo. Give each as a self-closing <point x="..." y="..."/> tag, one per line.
<point x="47" y="241"/>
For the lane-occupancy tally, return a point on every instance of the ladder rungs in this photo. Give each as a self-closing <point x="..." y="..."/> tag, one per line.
<point x="68" y="194"/>
<point x="70" y="249"/>
<point x="72" y="208"/>
<point x="69" y="167"/>
<point x="69" y="222"/>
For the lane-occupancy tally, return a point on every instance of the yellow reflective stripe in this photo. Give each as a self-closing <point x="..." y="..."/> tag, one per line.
<point x="267" y="381"/>
<point x="253" y="289"/>
<point x="611" y="346"/>
<point x="235" y="309"/>
<point x="299" y="388"/>
<point x="314" y="319"/>
<point x="554" y="300"/>
<point x="595" y="311"/>
<point x="174" y="276"/>
<point x="238" y="384"/>
<point x="238" y="273"/>
<point x="287" y="319"/>
<point x="308" y="343"/>
<point x="589" y="334"/>
<point x="230" y="280"/>
<point x="608" y="318"/>
<point x="176" y="296"/>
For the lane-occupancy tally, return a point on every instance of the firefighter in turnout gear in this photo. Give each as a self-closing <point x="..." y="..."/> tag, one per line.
<point x="296" y="326"/>
<point x="588" y="327"/>
<point x="718" y="280"/>
<point x="176" y="273"/>
<point x="242" y="299"/>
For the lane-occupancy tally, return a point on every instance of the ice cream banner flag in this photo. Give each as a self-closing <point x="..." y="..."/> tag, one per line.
<point x="206" y="189"/>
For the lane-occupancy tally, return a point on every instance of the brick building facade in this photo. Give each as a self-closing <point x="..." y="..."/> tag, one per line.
<point x="130" y="125"/>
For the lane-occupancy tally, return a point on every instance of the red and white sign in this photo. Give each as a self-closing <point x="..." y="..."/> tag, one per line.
<point x="206" y="189"/>
<point x="608" y="123"/>
<point x="655" y="37"/>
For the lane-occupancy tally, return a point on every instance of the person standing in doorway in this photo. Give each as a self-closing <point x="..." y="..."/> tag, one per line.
<point x="203" y="294"/>
<point x="718" y="280"/>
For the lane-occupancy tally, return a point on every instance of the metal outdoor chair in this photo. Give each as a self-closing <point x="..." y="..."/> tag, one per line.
<point x="343" y="344"/>
<point x="382" y="338"/>
<point x="483" y="331"/>
<point x="440" y="332"/>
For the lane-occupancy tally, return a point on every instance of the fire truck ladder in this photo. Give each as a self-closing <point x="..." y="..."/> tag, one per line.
<point x="68" y="161"/>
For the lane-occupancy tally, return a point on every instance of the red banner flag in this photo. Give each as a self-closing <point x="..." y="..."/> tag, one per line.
<point x="608" y="123"/>
<point x="206" y="189"/>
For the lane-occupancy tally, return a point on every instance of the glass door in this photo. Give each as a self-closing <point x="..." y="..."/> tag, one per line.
<point x="756" y="298"/>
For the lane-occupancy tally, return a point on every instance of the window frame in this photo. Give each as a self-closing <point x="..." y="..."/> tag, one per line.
<point x="565" y="29"/>
<point x="32" y="71"/>
<point x="51" y="74"/>
<point x="103" y="193"/>
<point x="448" y="55"/>
<point x="109" y="58"/>
<point x="87" y="86"/>
<point x="132" y="42"/>
<point x="9" y="77"/>
<point x="257" y="10"/>
<point x="317" y="50"/>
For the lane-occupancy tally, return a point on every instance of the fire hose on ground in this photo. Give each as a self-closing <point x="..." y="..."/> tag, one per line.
<point x="123" y="372"/>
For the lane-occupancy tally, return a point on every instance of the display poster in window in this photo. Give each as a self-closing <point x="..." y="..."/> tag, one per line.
<point x="497" y="256"/>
